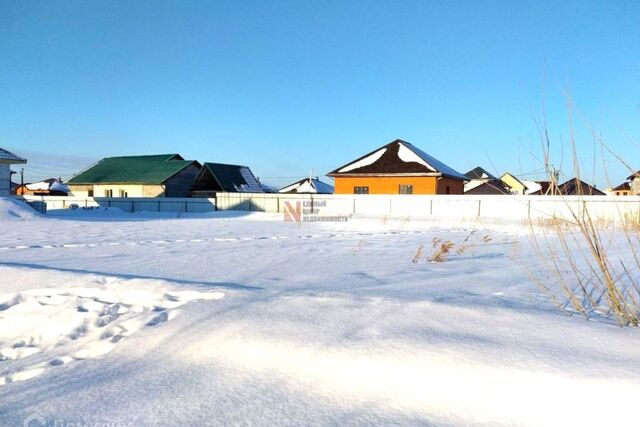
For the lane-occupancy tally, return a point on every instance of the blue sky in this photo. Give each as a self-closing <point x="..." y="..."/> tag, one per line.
<point x="285" y="87"/>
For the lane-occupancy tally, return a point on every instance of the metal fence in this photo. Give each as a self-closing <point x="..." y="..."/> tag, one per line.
<point x="438" y="206"/>
<point x="137" y="204"/>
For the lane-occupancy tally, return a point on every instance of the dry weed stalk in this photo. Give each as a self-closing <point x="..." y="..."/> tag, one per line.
<point x="578" y="266"/>
<point x="442" y="252"/>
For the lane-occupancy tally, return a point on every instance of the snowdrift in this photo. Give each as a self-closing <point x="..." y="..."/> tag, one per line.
<point x="16" y="210"/>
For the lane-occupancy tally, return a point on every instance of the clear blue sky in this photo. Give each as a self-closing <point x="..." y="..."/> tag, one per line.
<point x="285" y="86"/>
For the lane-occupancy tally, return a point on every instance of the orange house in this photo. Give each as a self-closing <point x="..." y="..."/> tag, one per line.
<point x="397" y="168"/>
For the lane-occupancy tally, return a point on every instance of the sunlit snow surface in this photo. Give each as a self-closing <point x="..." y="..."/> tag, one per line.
<point x="238" y="319"/>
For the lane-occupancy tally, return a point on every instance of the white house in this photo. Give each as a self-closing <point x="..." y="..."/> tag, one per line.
<point x="7" y="158"/>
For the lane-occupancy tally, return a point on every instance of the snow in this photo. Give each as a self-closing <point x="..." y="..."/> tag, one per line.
<point x="252" y="185"/>
<point x="15" y="210"/>
<point x="309" y="185"/>
<point x="366" y="161"/>
<point x="531" y="186"/>
<point x="46" y="186"/>
<point x="434" y="163"/>
<point x="473" y="184"/>
<point x="407" y="156"/>
<point x="242" y="318"/>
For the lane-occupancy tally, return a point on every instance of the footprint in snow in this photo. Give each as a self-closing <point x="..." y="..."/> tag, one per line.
<point x="79" y="323"/>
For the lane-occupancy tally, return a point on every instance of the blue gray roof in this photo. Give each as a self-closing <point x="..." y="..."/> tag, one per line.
<point x="7" y="156"/>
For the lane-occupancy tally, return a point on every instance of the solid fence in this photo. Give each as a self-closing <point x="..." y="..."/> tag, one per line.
<point x="130" y="204"/>
<point x="437" y="206"/>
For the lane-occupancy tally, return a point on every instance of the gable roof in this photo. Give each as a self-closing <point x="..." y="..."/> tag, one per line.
<point x="577" y="187"/>
<point x="634" y="176"/>
<point x="7" y="156"/>
<point x="232" y="178"/>
<point x="397" y="158"/>
<point x="152" y="169"/>
<point x="512" y="177"/>
<point x="308" y="185"/>
<point x="625" y="186"/>
<point x="479" y="173"/>
<point x="494" y="186"/>
<point x="543" y="188"/>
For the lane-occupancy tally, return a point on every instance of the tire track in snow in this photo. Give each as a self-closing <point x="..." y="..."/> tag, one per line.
<point x="346" y="234"/>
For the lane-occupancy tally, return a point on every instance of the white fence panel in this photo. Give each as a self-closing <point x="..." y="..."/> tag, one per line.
<point x="607" y="208"/>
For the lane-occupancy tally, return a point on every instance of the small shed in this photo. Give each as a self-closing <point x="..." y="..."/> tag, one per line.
<point x="7" y="158"/>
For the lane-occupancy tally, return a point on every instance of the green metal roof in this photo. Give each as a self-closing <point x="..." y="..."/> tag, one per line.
<point x="154" y="169"/>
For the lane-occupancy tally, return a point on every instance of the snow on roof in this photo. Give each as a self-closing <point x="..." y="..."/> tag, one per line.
<point x="531" y="186"/>
<point x="48" y="185"/>
<point x="435" y="163"/>
<point x="409" y="156"/>
<point x="8" y="157"/>
<point x="366" y="161"/>
<point x="398" y="157"/>
<point x="306" y="185"/>
<point x="479" y="173"/>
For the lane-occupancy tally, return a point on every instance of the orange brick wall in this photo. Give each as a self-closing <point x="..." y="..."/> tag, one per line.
<point x="391" y="184"/>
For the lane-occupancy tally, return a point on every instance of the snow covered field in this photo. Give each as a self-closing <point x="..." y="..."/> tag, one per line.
<point x="235" y="318"/>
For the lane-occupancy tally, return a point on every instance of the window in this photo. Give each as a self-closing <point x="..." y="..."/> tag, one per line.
<point x="108" y="193"/>
<point x="405" y="189"/>
<point x="90" y="193"/>
<point x="123" y="193"/>
<point x="360" y="190"/>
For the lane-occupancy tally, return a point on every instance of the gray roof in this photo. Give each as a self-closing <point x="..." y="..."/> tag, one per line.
<point x="479" y="173"/>
<point x="9" y="157"/>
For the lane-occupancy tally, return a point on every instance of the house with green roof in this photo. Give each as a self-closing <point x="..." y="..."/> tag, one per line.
<point x="162" y="175"/>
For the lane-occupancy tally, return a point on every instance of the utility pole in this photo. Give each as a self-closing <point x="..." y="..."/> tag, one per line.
<point x="22" y="181"/>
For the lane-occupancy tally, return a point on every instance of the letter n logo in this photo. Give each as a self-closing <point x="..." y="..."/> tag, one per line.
<point x="292" y="214"/>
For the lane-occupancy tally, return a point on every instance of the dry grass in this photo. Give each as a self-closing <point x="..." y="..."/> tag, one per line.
<point x="588" y="265"/>
<point x="443" y="249"/>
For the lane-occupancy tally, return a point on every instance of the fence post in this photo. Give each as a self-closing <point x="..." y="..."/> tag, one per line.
<point x="479" y="204"/>
<point x="431" y="207"/>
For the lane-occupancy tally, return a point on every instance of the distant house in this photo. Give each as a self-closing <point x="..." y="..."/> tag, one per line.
<point x="511" y="181"/>
<point x="7" y="159"/>
<point x="539" y="188"/>
<point x="47" y="187"/>
<point x="525" y="187"/>
<point x="308" y="186"/>
<point x="634" y="183"/>
<point x="482" y="182"/>
<point x="162" y="175"/>
<point x="220" y="177"/>
<point x="575" y="187"/>
<point x="397" y="168"/>
<point x="623" y="189"/>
